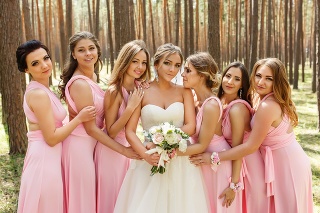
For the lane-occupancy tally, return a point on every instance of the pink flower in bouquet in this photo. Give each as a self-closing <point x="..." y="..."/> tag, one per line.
<point x="172" y="154"/>
<point x="157" y="138"/>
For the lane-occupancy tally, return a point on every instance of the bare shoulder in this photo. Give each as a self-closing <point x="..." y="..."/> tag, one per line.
<point x="80" y="84"/>
<point x="37" y="97"/>
<point x="211" y="105"/>
<point x="239" y="109"/>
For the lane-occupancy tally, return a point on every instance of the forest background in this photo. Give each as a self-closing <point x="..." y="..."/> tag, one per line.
<point x="243" y="30"/>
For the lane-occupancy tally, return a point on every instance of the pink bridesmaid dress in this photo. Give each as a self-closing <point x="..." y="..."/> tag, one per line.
<point x="255" y="190"/>
<point x="78" y="157"/>
<point x="41" y="187"/>
<point x="287" y="170"/>
<point x="217" y="181"/>
<point x="111" y="168"/>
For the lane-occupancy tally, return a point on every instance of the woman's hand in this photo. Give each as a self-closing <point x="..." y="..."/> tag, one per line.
<point x="201" y="159"/>
<point x="87" y="114"/>
<point x="152" y="159"/>
<point x="130" y="153"/>
<point x="144" y="85"/>
<point x="135" y="98"/>
<point x="228" y="194"/>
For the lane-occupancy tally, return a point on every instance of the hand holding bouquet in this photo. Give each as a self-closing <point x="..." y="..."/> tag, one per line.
<point x="167" y="139"/>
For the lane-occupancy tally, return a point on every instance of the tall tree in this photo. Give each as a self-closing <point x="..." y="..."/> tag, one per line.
<point x="290" y="42"/>
<point x="177" y="19"/>
<point x="254" y="34"/>
<point x="297" y="47"/>
<point x="261" y="31"/>
<point x="191" y="27"/>
<point x="11" y="91"/>
<point x="213" y="30"/>
<point x="318" y="59"/>
<point x="69" y="20"/>
<point x="110" y="34"/>
<point x="269" y="22"/>
<point x="286" y="33"/>
<point x="314" y="49"/>
<point x="152" y="27"/>
<point x="63" y="42"/>
<point x="27" y="20"/>
<point x="186" y="30"/>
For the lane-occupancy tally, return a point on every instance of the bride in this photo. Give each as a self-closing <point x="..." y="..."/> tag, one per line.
<point x="180" y="188"/>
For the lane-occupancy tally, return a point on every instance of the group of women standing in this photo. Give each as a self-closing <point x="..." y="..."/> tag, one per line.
<point x="242" y="156"/>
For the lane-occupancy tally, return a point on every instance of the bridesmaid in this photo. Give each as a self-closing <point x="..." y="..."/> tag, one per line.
<point x="233" y="93"/>
<point x="79" y="89"/>
<point x="121" y="99"/>
<point x="41" y="187"/>
<point x="287" y="167"/>
<point x="201" y="74"/>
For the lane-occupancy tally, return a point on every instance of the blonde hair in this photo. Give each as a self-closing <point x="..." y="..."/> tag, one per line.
<point x="207" y="67"/>
<point x="125" y="57"/>
<point x="281" y="87"/>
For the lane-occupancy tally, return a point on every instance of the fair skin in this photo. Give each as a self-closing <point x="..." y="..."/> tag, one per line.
<point x="240" y="122"/>
<point x="113" y="99"/>
<point x="87" y="55"/>
<point x="268" y="115"/>
<point x="167" y="93"/>
<point x="40" y="67"/>
<point x="210" y="124"/>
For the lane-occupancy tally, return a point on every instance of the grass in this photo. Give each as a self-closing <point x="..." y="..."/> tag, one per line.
<point x="307" y="134"/>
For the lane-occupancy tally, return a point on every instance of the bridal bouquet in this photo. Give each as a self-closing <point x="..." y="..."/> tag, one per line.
<point x="167" y="139"/>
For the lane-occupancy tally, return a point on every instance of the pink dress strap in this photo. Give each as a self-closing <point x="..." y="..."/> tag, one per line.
<point x="219" y="103"/>
<point x="226" y="110"/>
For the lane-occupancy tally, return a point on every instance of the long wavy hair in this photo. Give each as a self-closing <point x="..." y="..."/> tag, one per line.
<point x="164" y="51"/>
<point x="206" y="67"/>
<point x="281" y="87"/>
<point x="245" y="83"/>
<point x="72" y="64"/>
<point x="126" y="55"/>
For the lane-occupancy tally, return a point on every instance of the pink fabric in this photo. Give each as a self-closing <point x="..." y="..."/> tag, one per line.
<point x="111" y="168"/>
<point x="77" y="157"/>
<point x="217" y="182"/>
<point x="41" y="187"/>
<point x="287" y="170"/>
<point x="255" y="195"/>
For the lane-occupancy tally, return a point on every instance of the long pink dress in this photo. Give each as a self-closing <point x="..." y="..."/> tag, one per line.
<point x="217" y="181"/>
<point x="78" y="157"/>
<point x="41" y="187"/>
<point x="287" y="170"/>
<point x="255" y="190"/>
<point x="111" y="168"/>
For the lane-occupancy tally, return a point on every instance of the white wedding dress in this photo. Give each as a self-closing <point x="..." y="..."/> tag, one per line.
<point x="179" y="190"/>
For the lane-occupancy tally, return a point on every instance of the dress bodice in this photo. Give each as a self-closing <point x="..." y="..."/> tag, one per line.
<point x="153" y="115"/>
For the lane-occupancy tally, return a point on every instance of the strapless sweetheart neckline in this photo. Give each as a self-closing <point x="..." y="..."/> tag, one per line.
<point x="161" y="107"/>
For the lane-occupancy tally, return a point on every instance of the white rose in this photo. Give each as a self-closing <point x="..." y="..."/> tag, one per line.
<point x="157" y="138"/>
<point x="154" y="129"/>
<point x="171" y="138"/>
<point x="183" y="145"/>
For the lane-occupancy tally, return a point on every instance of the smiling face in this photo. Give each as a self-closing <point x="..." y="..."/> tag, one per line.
<point x="232" y="81"/>
<point x="39" y="64"/>
<point x="138" y="65"/>
<point x="86" y="53"/>
<point x="169" y="67"/>
<point x="263" y="80"/>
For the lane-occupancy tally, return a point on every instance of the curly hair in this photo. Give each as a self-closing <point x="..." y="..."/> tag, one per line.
<point x="207" y="67"/>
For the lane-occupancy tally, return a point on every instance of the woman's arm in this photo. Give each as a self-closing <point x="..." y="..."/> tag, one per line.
<point x="112" y="103"/>
<point x="210" y="117"/>
<point x="189" y="126"/>
<point x="40" y="103"/>
<point x="268" y="113"/>
<point x="135" y="142"/>
<point x="81" y="94"/>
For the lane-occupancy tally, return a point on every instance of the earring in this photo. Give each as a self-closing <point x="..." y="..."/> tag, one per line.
<point x="156" y="76"/>
<point x="240" y="93"/>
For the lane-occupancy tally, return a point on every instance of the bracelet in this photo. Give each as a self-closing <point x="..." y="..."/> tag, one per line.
<point x="236" y="187"/>
<point x="215" y="161"/>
